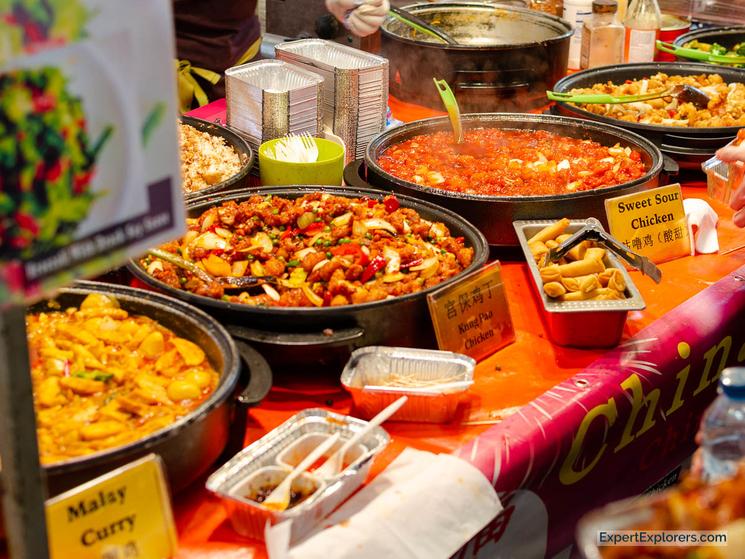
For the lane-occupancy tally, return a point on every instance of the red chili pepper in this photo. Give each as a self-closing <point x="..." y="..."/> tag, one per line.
<point x="314" y="228"/>
<point x="411" y="263"/>
<point x="459" y="239"/>
<point x="672" y="113"/>
<point x="371" y="203"/>
<point x="327" y="299"/>
<point x="289" y="232"/>
<point x="377" y="263"/>
<point x="351" y="249"/>
<point x="391" y="203"/>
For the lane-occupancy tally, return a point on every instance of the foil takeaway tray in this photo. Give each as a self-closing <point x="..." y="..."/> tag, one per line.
<point x="249" y="518"/>
<point x="328" y="55"/>
<point x="272" y="76"/>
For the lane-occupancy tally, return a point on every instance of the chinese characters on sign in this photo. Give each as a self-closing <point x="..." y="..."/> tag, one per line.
<point x="652" y="222"/>
<point x="472" y="316"/>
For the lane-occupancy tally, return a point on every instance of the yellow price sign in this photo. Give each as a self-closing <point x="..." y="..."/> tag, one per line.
<point x="125" y="514"/>
<point x="651" y="222"/>
<point x="472" y="316"/>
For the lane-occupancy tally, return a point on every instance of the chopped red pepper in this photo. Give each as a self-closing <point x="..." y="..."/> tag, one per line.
<point x="327" y="299"/>
<point x="54" y="172"/>
<point x="371" y="203"/>
<point x="27" y="222"/>
<point x="43" y="103"/>
<point x="377" y="263"/>
<point x="391" y="203"/>
<point x="314" y="228"/>
<point x="34" y="32"/>
<point x="289" y="232"/>
<point x="351" y="249"/>
<point x="672" y="113"/>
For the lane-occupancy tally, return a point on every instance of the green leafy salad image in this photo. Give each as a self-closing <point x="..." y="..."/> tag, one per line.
<point x="47" y="162"/>
<point x="29" y="22"/>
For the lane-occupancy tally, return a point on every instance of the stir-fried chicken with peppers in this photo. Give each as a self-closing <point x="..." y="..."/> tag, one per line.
<point x="315" y="250"/>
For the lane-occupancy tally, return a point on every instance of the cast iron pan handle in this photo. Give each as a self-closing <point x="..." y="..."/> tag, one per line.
<point x="353" y="174"/>
<point x="328" y="338"/>
<point x="260" y="374"/>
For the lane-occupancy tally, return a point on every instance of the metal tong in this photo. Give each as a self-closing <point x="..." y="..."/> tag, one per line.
<point x="593" y="231"/>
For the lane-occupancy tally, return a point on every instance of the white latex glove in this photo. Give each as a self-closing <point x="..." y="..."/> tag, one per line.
<point x="361" y="17"/>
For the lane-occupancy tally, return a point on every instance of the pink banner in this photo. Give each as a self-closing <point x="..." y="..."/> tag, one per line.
<point x="610" y="432"/>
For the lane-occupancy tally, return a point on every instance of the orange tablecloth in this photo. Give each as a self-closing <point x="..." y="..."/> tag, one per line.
<point x="510" y="378"/>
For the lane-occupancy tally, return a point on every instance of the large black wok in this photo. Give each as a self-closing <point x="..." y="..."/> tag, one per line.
<point x="688" y="146"/>
<point x="303" y="336"/>
<point x="192" y="444"/>
<point x="508" y="57"/>
<point x="725" y="36"/>
<point x="493" y="215"/>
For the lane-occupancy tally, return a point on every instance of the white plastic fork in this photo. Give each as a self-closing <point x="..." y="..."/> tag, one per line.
<point x="333" y="465"/>
<point x="311" y="147"/>
<point x="279" y="498"/>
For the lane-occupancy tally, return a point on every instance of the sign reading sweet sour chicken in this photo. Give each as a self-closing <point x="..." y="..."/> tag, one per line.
<point x="651" y="223"/>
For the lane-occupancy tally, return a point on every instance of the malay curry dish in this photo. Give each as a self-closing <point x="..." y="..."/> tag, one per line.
<point x="499" y="162"/>
<point x="103" y="377"/>
<point x="317" y="250"/>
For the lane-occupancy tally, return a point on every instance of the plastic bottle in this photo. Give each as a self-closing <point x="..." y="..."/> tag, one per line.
<point x="602" y="36"/>
<point x="575" y="12"/>
<point x="723" y="427"/>
<point x="643" y="22"/>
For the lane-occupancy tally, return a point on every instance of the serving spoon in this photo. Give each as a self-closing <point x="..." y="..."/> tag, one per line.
<point x="279" y="498"/>
<point x="238" y="283"/>
<point x="451" y="106"/>
<point x="684" y="93"/>
<point x="333" y="464"/>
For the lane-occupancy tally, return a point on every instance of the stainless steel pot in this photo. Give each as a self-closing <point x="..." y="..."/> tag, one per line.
<point x="508" y="58"/>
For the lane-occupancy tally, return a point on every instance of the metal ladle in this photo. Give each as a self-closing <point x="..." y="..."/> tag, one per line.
<point x="684" y="94"/>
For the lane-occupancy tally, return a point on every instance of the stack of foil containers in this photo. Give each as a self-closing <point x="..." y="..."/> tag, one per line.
<point x="269" y="99"/>
<point x="354" y="90"/>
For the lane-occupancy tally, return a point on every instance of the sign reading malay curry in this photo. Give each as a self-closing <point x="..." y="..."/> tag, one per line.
<point x="125" y="514"/>
<point x="472" y="316"/>
<point x="88" y="146"/>
<point x="651" y="222"/>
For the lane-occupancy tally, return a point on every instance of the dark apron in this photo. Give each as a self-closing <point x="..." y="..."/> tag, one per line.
<point x="213" y="35"/>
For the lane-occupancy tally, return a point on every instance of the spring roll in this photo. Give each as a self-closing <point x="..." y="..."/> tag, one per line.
<point x="550" y="273"/>
<point x="571" y="284"/>
<point x="551" y="243"/>
<point x="550" y="232"/>
<point x="602" y="293"/>
<point x="604" y="276"/>
<point x="578" y="252"/>
<point x="563" y="237"/>
<point x="538" y="249"/>
<point x="616" y="281"/>
<point x="594" y="253"/>
<point x="608" y="294"/>
<point x="582" y="267"/>
<point x="554" y="289"/>
<point x="588" y="283"/>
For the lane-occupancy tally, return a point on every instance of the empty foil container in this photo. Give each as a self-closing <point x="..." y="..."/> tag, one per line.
<point x="270" y="98"/>
<point x="434" y="382"/>
<point x="275" y="453"/>
<point x="355" y="88"/>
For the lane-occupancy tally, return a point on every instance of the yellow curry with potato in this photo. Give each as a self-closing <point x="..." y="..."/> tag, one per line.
<point x="103" y="378"/>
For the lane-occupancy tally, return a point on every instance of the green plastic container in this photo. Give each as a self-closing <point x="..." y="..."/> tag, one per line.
<point x="327" y="170"/>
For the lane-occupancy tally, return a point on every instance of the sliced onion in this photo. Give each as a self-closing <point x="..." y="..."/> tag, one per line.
<point x="312" y="297"/>
<point x="393" y="278"/>
<point x="257" y="268"/>
<point x="425" y="265"/>
<point x="407" y="227"/>
<point x="239" y="268"/>
<point x="209" y="220"/>
<point x="301" y="254"/>
<point x="393" y="260"/>
<point x="155" y="266"/>
<point x="261" y="241"/>
<point x="377" y="223"/>
<point x="269" y="290"/>
<point x="320" y="265"/>
<point x="437" y="230"/>
<point x="341" y="220"/>
<point x="358" y="228"/>
<point x="224" y="233"/>
<point x="210" y="241"/>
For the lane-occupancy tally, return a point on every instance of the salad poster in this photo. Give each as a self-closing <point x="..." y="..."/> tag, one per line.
<point x="89" y="162"/>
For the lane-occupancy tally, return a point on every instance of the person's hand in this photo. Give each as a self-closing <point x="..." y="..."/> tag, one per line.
<point x="730" y="154"/>
<point x="361" y="17"/>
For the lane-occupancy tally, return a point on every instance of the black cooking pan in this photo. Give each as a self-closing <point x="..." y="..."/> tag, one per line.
<point x="299" y="336"/>
<point x="192" y="444"/>
<point x="675" y="141"/>
<point x="244" y="151"/>
<point x="725" y="36"/>
<point x="493" y="215"/>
